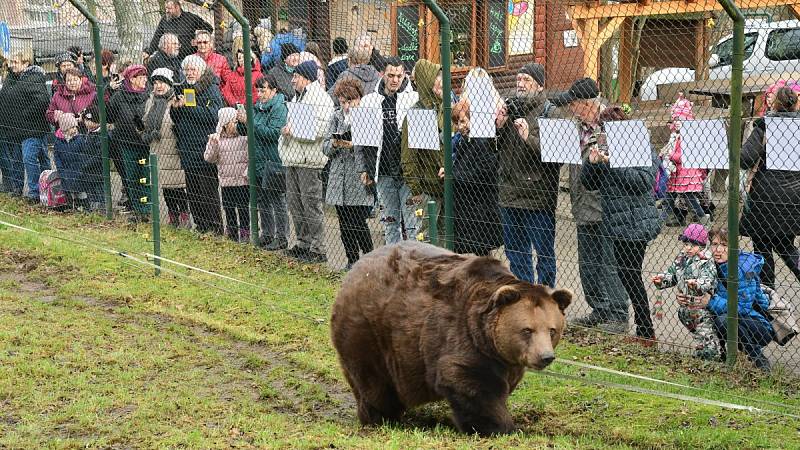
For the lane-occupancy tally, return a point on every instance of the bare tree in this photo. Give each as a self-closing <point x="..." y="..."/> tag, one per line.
<point x="129" y="26"/>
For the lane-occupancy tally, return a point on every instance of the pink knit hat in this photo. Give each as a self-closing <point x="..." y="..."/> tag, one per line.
<point x="682" y="109"/>
<point x="225" y="116"/>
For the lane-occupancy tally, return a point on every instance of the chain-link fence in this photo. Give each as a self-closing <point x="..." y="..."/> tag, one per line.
<point x="590" y="144"/>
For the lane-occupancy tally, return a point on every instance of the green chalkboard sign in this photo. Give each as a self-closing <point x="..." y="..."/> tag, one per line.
<point x="408" y="35"/>
<point x="498" y="12"/>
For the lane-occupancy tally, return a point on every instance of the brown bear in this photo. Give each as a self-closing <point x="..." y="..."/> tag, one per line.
<point x="414" y="323"/>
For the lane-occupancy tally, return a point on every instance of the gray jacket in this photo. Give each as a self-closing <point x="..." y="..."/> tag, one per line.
<point x="346" y="164"/>
<point x="586" y="207"/>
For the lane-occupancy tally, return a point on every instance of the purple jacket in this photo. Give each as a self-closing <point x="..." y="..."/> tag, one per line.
<point x="75" y="103"/>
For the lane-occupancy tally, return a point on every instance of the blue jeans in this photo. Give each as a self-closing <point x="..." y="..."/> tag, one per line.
<point x="523" y="228"/>
<point x="691" y="198"/>
<point x="398" y="218"/>
<point x="601" y="284"/>
<point x="11" y="166"/>
<point x="754" y="335"/>
<point x="34" y="157"/>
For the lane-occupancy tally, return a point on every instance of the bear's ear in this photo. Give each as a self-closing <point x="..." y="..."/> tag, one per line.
<point x="505" y="295"/>
<point x="563" y="298"/>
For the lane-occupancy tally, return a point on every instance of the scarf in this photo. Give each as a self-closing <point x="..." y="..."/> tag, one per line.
<point x="155" y="116"/>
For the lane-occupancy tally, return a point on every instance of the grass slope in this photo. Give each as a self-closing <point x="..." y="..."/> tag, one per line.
<point x="97" y="352"/>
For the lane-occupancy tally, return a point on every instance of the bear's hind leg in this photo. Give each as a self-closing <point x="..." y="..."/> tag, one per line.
<point x="483" y="416"/>
<point x="378" y="404"/>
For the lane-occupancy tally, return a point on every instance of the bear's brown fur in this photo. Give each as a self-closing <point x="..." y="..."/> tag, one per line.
<point x="414" y="323"/>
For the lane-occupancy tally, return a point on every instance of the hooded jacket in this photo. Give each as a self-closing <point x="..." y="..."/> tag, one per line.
<point x="230" y="156"/>
<point x="750" y="291"/>
<point x="421" y="167"/>
<point x="126" y="111"/>
<point x="233" y="88"/>
<point x="217" y="63"/>
<point x="296" y="152"/>
<point x="366" y="74"/>
<point x="385" y="160"/>
<point x="284" y="79"/>
<point x="71" y="102"/>
<point x="268" y="119"/>
<point x="24" y="98"/>
<point x="193" y="124"/>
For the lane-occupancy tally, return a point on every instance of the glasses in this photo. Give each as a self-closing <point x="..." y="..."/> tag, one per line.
<point x="203" y="42"/>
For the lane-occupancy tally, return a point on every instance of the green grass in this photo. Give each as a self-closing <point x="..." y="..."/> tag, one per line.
<point x="97" y="352"/>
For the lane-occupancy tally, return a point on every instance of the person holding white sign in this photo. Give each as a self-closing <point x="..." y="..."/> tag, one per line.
<point x="381" y="164"/>
<point x="772" y="213"/>
<point x="304" y="161"/>
<point x="630" y="221"/>
<point x="601" y="285"/>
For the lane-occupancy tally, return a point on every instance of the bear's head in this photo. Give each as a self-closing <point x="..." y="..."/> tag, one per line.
<point x="528" y="324"/>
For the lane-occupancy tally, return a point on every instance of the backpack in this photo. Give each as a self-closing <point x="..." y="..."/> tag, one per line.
<point x="660" y="185"/>
<point x="50" y="192"/>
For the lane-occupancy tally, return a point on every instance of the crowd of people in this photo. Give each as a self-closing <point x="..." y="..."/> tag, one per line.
<point x="184" y="104"/>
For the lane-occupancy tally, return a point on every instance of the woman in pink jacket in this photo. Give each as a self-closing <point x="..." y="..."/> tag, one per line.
<point x="683" y="182"/>
<point x="74" y="96"/>
<point x="233" y="84"/>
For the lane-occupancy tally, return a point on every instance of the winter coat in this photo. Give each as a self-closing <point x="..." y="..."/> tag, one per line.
<point x="385" y="160"/>
<point x="183" y="26"/>
<point x="159" y="60"/>
<point x="344" y="179"/>
<point x="272" y="56"/>
<point x="126" y="112"/>
<point x="626" y="194"/>
<point x="683" y="179"/>
<point x="71" y="102"/>
<point x="475" y="199"/>
<point x="296" y="152"/>
<point x="421" y="166"/>
<point x="78" y="162"/>
<point x="584" y="203"/>
<point x="366" y="74"/>
<point x="750" y="291"/>
<point x="335" y="68"/>
<point x="230" y="156"/>
<point x="284" y="79"/>
<point x="217" y="63"/>
<point x="165" y="145"/>
<point x="773" y="205"/>
<point x="268" y="118"/>
<point x="233" y="87"/>
<point x="525" y="181"/>
<point x="23" y="100"/>
<point x="700" y="267"/>
<point x="193" y="124"/>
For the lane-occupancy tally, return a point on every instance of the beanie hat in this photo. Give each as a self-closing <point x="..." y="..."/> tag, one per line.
<point x="133" y="71"/>
<point x="339" y="46"/>
<point x="695" y="233"/>
<point x="682" y="110"/>
<point x="287" y="48"/>
<point x="307" y="70"/>
<point x="66" y="57"/>
<point x="225" y="116"/>
<point x="163" y="74"/>
<point x="67" y="121"/>
<point x="535" y="71"/>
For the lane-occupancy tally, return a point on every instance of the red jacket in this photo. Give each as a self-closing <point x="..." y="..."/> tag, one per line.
<point x="233" y="84"/>
<point x="69" y="102"/>
<point x="217" y="63"/>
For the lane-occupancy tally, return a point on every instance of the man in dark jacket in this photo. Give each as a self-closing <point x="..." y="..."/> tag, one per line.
<point x="338" y="63"/>
<point x="360" y="70"/>
<point x="284" y="70"/>
<point x="528" y="186"/>
<point x="180" y="23"/>
<point x="167" y="56"/>
<point x="25" y="98"/>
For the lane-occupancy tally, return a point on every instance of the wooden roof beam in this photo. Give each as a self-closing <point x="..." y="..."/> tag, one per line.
<point x="585" y="11"/>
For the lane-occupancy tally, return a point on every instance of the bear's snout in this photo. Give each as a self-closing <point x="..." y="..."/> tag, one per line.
<point x="544" y="359"/>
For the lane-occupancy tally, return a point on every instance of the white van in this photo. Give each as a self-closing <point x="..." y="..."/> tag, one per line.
<point x="769" y="47"/>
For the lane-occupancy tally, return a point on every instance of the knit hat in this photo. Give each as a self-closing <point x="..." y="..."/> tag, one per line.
<point x="583" y="89"/>
<point x="163" y="74"/>
<point x="682" y="110"/>
<point x="66" y="122"/>
<point x="225" y="116"/>
<point x="536" y="71"/>
<point x="66" y="57"/>
<point x="307" y="70"/>
<point x="133" y="71"/>
<point x="695" y="233"/>
<point x="339" y="46"/>
<point x="287" y="48"/>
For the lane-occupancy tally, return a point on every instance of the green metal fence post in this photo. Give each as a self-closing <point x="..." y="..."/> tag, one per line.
<point x="734" y="151"/>
<point x="101" y="104"/>
<point x="248" y="95"/>
<point x="155" y="214"/>
<point x="433" y="227"/>
<point x="444" y="37"/>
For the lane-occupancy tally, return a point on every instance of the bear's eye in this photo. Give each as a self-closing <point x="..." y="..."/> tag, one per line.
<point x="552" y="333"/>
<point x="527" y="332"/>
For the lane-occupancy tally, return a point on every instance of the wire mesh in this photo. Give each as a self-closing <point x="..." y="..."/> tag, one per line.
<point x="590" y="140"/>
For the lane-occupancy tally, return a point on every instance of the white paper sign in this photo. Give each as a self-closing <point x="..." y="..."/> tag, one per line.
<point x="481" y="107"/>
<point x="704" y="144"/>
<point x="560" y="141"/>
<point x="302" y="122"/>
<point x="628" y="144"/>
<point x="367" y="127"/>
<point x="423" y="129"/>
<point x="570" y="38"/>
<point x="783" y="141"/>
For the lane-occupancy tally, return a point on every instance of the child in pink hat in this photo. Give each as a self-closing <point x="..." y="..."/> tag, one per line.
<point x="694" y="273"/>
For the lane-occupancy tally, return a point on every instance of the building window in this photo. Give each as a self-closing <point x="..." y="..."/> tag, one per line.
<point x="462" y="26"/>
<point x="520" y="27"/>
